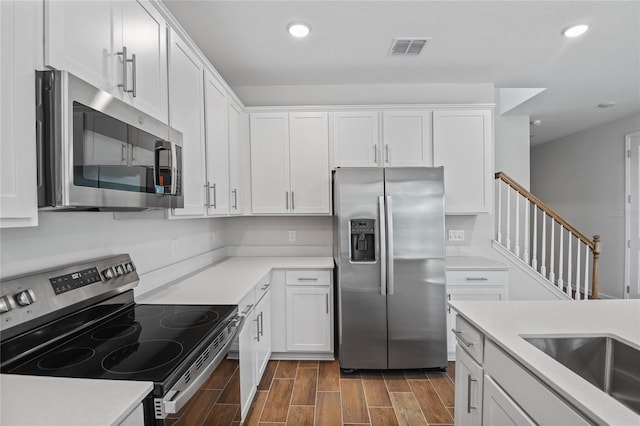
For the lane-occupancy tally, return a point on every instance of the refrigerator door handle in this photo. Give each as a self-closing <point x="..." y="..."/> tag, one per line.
<point x="383" y="246"/>
<point x="389" y="217"/>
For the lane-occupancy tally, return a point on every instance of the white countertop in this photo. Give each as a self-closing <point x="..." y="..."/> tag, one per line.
<point x="504" y="322"/>
<point x="52" y="401"/>
<point x="461" y="263"/>
<point x="227" y="282"/>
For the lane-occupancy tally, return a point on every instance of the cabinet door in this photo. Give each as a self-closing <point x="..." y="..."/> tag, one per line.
<point x="18" y="176"/>
<point x="356" y="139"/>
<point x="237" y="156"/>
<point x="309" y="162"/>
<point x="308" y="319"/>
<point x="216" y="135"/>
<point x="79" y="38"/>
<point x="144" y="33"/>
<point x="270" y="163"/>
<point x="187" y="116"/>
<point x="247" y="363"/>
<point x="462" y="144"/>
<point x="468" y="395"/>
<point x="406" y="138"/>
<point x="499" y="408"/>
<point x="263" y="341"/>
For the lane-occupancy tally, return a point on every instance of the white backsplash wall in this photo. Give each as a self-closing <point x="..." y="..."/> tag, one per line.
<point x="67" y="237"/>
<point x="269" y="236"/>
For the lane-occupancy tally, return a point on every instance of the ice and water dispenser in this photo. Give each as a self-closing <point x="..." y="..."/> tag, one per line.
<point x="363" y="240"/>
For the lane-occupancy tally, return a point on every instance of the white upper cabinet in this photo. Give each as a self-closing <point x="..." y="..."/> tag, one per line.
<point x="217" y="143"/>
<point x="89" y="39"/>
<point x="406" y="138"/>
<point x="18" y="176"/>
<point x="290" y="163"/>
<point x="356" y="139"/>
<point x="309" y="162"/>
<point x="187" y="116"/>
<point x="238" y="160"/>
<point x="462" y="143"/>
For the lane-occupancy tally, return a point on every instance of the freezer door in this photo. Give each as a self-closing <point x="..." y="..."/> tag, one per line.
<point x="362" y="306"/>
<point x="416" y="268"/>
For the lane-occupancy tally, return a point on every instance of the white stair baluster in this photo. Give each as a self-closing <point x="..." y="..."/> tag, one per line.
<point x="508" y="232"/>
<point x="569" y="266"/>
<point x="579" y="243"/>
<point x="560" y="258"/>
<point x="525" y="254"/>
<point x="534" y="260"/>
<point x="543" y="246"/>
<point x="517" y="246"/>
<point x="586" y="273"/>
<point x="500" y="184"/>
<point x="552" y="273"/>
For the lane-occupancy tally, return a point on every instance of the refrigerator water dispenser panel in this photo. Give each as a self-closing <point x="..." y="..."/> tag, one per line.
<point x="363" y="240"/>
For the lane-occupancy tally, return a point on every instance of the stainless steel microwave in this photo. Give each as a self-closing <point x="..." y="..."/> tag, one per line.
<point x="96" y="152"/>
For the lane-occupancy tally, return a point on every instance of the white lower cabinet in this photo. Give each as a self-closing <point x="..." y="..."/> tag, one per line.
<point x="134" y="418"/>
<point x="470" y="284"/>
<point x="499" y="408"/>
<point x="468" y="397"/>
<point x="263" y="334"/>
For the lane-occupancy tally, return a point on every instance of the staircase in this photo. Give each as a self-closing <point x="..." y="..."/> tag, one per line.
<point x="543" y="243"/>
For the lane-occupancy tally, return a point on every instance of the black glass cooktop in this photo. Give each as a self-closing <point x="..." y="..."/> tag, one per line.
<point x="143" y="342"/>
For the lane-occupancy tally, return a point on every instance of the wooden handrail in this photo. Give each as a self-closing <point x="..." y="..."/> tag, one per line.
<point x="594" y="244"/>
<point x="535" y="200"/>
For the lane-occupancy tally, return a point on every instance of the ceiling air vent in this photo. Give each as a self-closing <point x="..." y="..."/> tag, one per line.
<point x="408" y="46"/>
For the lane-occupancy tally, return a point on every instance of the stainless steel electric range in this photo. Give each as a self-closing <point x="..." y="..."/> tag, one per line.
<point x="81" y="321"/>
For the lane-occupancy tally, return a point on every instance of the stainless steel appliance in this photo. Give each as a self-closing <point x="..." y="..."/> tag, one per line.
<point x="389" y="252"/>
<point x="81" y="321"/>
<point x="97" y="152"/>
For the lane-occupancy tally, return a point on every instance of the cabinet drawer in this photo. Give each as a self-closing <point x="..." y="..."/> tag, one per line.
<point x="480" y="277"/>
<point x="537" y="400"/>
<point x="262" y="287"/>
<point x="308" y="277"/>
<point x="469" y="338"/>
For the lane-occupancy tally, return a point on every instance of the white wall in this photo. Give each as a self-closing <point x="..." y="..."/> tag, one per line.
<point x="512" y="149"/>
<point x="67" y="237"/>
<point x="582" y="178"/>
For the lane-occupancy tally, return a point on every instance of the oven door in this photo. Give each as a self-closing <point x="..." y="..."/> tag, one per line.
<point x="191" y="380"/>
<point x="98" y="152"/>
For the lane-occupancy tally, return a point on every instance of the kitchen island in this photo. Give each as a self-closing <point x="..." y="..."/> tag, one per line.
<point x="503" y="325"/>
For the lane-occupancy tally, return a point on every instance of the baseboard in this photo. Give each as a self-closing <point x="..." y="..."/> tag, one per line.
<point x="302" y="356"/>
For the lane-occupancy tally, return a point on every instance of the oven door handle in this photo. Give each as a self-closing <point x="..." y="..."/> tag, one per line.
<point x="173" y="401"/>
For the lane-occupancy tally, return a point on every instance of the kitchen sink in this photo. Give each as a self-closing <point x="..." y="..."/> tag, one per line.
<point x="605" y="362"/>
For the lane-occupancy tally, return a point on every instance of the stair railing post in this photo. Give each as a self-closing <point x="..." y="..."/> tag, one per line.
<point x="594" y="275"/>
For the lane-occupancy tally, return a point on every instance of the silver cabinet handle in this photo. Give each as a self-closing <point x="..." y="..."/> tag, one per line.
<point x="264" y="287"/>
<point x="286" y="200"/>
<point x="235" y="199"/>
<point x="476" y="278"/>
<point x="261" y="324"/>
<point x="214" y="196"/>
<point x="469" y="380"/>
<point x="206" y="195"/>
<point x="257" y="320"/>
<point x="124" y="68"/>
<point x="124" y="153"/>
<point x="307" y="279"/>
<point x="292" y="203"/>
<point x="386" y="152"/>
<point x="448" y="306"/>
<point x="133" y="74"/>
<point x="327" y="301"/>
<point x="247" y="309"/>
<point x="375" y="153"/>
<point x="458" y="334"/>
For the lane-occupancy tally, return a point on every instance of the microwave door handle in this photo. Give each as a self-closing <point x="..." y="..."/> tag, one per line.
<point x="383" y="246"/>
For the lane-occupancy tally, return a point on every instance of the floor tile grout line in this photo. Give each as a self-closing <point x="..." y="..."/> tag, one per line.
<point x="268" y="391"/>
<point x="440" y="397"/>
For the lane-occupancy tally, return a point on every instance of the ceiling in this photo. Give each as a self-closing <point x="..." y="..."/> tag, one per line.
<point x="512" y="44"/>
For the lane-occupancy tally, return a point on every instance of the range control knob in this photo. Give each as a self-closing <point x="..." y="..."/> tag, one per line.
<point x="109" y="274"/>
<point x="129" y="267"/>
<point x="26" y="297"/>
<point x="6" y="304"/>
<point x="119" y="270"/>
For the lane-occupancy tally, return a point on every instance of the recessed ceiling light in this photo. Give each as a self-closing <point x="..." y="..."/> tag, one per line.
<point x="607" y="104"/>
<point x="298" y="29"/>
<point x="575" y="30"/>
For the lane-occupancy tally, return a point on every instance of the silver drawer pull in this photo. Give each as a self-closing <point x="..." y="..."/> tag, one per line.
<point x="264" y="287"/>
<point x="307" y="279"/>
<point x="469" y="407"/>
<point x="476" y="278"/>
<point x="458" y="334"/>
<point x="247" y="310"/>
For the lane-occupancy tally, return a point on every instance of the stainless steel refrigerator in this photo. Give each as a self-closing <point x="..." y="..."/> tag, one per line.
<point x="389" y="251"/>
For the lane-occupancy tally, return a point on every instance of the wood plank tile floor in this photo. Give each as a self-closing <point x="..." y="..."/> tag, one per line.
<point x="316" y="393"/>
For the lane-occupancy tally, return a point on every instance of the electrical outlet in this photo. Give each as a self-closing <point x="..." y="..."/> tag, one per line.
<point x="292" y="235"/>
<point x="456" y="234"/>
